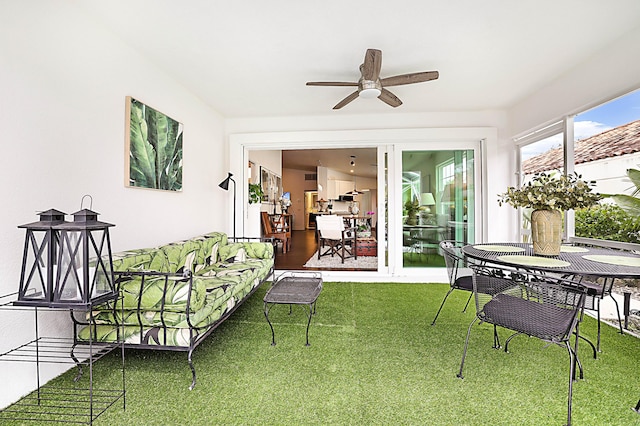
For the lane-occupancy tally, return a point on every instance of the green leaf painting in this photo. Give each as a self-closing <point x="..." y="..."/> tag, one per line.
<point x="154" y="148"/>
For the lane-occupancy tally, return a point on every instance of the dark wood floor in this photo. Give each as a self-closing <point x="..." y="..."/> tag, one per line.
<point x="303" y="245"/>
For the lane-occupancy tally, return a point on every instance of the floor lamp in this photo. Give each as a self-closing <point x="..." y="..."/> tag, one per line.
<point x="225" y="185"/>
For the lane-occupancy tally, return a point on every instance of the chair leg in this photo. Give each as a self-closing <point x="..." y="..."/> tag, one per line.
<point x="572" y="360"/>
<point x="595" y="351"/>
<point x="506" y="343"/>
<point x="496" y="338"/>
<point x="618" y="312"/>
<point x="467" y="304"/>
<point x="441" y="305"/>
<point x="466" y="345"/>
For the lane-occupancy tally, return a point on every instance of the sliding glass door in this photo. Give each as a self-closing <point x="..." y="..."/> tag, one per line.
<point x="438" y="203"/>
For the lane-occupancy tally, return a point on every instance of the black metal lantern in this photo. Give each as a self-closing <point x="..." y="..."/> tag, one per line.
<point x="39" y="259"/>
<point x="85" y="271"/>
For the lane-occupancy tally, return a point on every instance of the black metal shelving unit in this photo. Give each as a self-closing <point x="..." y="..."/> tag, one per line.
<point x="76" y="403"/>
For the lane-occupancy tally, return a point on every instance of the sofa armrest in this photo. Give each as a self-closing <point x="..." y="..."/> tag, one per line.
<point x="159" y="291"/>
<point x="246" y="249"/>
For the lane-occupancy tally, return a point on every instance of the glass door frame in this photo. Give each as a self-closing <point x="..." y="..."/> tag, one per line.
<point x="395" y="231"/>
<point x="391" y="140"/>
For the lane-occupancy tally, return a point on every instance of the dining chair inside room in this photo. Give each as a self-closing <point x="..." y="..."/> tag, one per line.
<point x="460" y="275"/>
<point x="334" y="238"/>
<point x="545" y="307"/>
<point x="279" y="235"/>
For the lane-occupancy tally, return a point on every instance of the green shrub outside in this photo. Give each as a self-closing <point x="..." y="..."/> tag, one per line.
<point x="607" y="222"/>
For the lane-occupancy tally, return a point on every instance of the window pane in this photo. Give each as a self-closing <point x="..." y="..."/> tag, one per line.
<point x="542" y="156"/>
<point x="607" y="144"/>
<point x="438" y="203"/>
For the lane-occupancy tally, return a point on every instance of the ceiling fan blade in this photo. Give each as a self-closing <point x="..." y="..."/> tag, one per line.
<point x="389" y="98"/>
<point x="415" y="77"/>
<point x="331" y="83"/>
<point x="372" y="64"/>
<point x="346" y="100"/>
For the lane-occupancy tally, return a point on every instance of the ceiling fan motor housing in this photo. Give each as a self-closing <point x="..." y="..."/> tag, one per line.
<point x="368" y="89"/>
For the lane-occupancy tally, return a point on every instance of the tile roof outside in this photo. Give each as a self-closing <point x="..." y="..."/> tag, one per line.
<point x="619" y="141"/>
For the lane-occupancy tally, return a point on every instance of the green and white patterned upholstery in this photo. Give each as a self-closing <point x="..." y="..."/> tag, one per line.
<point x="162" y="305"/>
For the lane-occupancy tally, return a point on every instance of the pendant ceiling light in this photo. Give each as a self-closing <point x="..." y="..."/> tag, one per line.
<point x="355" y="191"/>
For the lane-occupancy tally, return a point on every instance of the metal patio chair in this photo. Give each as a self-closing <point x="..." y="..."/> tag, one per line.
<point x="460" y="276"/>
<point x="598" y="290"/>
<point x="549" y="308"/>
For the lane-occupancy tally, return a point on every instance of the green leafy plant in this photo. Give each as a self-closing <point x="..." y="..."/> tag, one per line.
<point x="629" y="203"/>
<point x="255" y="193"/>
<point x="411" y="208"/>
<point x="608" y="222"/>
<point x="363" y="227"/>
<point x="155" y="149"/>
<point x="552" y="191"/>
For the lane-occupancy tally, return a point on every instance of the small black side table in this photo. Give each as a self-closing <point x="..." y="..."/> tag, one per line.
<point x="293" y="288"/>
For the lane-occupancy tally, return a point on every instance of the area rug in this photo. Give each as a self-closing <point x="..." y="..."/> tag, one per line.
<point x="363" y="262"/>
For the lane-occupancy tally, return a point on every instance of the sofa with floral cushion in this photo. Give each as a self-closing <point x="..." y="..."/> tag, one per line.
<point x="173" y="296"/>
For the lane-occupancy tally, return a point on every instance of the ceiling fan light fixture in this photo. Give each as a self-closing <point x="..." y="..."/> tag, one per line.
<point x="370" y="93"/>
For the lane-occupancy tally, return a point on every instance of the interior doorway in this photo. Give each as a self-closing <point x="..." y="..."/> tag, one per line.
<point x="320" y="181"/>
<point x="310" y="204"/>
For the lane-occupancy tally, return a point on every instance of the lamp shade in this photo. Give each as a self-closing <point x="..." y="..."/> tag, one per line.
<point x="426" y="199"/>
<point x="225" y="183"/>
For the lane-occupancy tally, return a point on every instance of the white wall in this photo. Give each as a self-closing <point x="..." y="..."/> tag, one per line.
<point x="611" y="173"/>
<point x="63" y="82"/>
<point x="612" y="72"/>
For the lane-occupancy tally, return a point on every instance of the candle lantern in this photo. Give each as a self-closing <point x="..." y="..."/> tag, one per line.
<point x="39" y="259"/>
<point x="85" y="271"/>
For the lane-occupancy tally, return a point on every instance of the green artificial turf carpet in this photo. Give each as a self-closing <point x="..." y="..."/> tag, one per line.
<point x="374" y="359"/>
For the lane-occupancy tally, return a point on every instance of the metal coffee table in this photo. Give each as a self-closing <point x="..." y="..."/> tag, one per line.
<point x="293" y="288"/>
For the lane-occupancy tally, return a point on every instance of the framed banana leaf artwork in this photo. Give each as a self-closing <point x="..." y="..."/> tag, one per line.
<point x="153" y="148"/>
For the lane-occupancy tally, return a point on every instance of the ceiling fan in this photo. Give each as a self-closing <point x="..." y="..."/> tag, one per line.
<point x="370" y="85"/>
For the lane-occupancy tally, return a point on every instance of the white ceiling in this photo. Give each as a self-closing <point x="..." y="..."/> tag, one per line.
<point x="252" y="58"/>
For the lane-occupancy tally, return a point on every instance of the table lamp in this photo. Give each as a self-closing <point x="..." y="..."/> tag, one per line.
<point x="427" y="200"/>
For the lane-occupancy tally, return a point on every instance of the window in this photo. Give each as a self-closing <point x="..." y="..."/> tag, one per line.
<point x="601" y="145"/>
<point x="541" y="153"/>
<point x="606" y="146"/>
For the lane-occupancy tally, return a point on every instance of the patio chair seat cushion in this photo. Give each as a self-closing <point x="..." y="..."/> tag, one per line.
<point x="464" y="282"/>
<point x="545" y="321"/>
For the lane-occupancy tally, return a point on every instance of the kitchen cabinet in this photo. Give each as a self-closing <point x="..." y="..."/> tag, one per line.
<point x="336" y="188"/>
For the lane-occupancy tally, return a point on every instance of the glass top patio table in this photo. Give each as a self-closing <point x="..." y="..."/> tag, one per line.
<point x="597" y="261"/>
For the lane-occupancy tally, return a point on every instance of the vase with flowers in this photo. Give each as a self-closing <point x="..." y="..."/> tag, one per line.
<point x="548" y="195"/>
<point x="411" y="208"/>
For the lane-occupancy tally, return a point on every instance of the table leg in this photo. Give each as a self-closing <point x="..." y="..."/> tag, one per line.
<point x="575" y="361"/>
<point x="309" y="323"/>
<point x="266" y="314"/>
